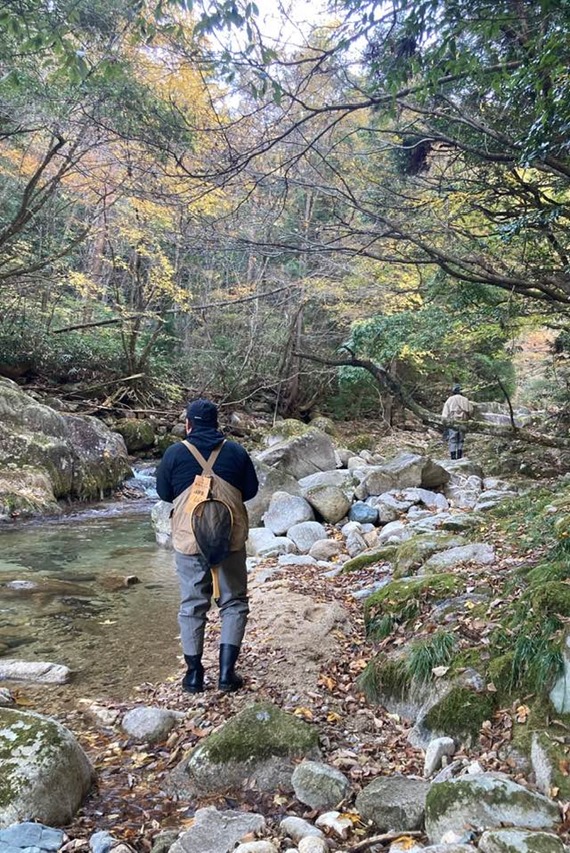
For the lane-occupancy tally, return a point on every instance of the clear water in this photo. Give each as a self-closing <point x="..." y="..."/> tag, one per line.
<point x="62" y="599"/>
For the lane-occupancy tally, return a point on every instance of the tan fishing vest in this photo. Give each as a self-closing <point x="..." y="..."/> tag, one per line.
<point x="183" y="538"/>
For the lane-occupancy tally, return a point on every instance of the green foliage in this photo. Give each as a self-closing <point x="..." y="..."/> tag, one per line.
<point x="425" y="655"/>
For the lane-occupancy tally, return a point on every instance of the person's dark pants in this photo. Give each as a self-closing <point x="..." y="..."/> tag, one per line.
<point x="196" y="589"/>
<point x="455" y="441"/>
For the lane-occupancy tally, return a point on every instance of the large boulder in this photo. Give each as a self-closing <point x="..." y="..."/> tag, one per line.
<point x="257" y="746"/>
<point x="284" y="511"/>
<point x="408" y="470"/>
<point x="263" y="543"/>
<point x="301" y="456"/>
<point x="485" y="801"/>
<point x="44" y="773"/>
<point x="341" y="478"/>
<point x="271" y="480"/>
<point x="46" y="455"/>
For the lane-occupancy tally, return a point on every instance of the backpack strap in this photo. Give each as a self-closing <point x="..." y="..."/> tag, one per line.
<point x="207" y="464"/>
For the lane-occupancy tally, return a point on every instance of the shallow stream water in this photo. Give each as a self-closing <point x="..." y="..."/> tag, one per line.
<point x="63" y="599"/>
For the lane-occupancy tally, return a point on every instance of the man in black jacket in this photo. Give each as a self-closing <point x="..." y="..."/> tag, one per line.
<point x="175" y="474"/>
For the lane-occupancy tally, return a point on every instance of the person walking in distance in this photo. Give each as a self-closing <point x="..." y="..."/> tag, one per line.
<point x="456" y="408"/>
<point x="211" y="560"/>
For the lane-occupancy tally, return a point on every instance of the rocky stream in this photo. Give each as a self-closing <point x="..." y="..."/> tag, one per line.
<point x="380" y="711"/>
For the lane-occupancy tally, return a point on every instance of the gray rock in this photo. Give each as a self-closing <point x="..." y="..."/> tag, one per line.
<point x="256" y="847"/>
<point x="45" y="773"/>
<point x="340" y="478"/>
<point x="284" y="511"/>
<point x="164" y="840"/>
<point x="101" y="842"/>
<point x="296" y="828"/>
<point x="312" y="844"/>
<point x="449" y="848"/>
<point x="324" y="549"/>
<point x="38" y="672"/>
<point x="28" y="837"/>
<point x="485" y="801"/>
<point x="296" y="560"/>
<point x="302" y="455"/>
<point x="437" y="749"/>
<point x="433" y="500"/>
<point x="257" y="746"/>
<point x="161" y="523"/>
<point x="355" y="543"/>
<point x="395" y="531"/>
<point x="477" y="552"/>
<point x="363" y="513"/>
<point x="519" y="841"/>
<point x="330" y="502"/>
<point x="541" y="763"/>
<point x="367" y="591"/>
<point x="271" y="480"/>
<point x="343" y="455"/>
<point x="306" y="534"/>
<point x="319" y="785"/>
<point x="560" y="693"/>
<point x="149" y="725"/>
<point x="217" y="831"/>
<point x="263" y="543"/>
<point x="394" y="803"/>
<point x="6" y="697"/>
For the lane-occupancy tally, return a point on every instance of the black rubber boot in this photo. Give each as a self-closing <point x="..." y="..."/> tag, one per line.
<point x="229" y="681"/>
<point x="459" y="454"/>
<point x="193" y="681"/>
<point x="453" y="454"/>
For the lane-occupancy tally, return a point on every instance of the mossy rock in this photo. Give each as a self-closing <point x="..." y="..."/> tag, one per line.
<point x="44" y="772"/>
<point x="138" y="434"/>
<point x="551" y="599"/>
<point x="562" y="528"/>
<point x="289" y="428"/>
<point x="402" y="599"/>
<point x="461" y="712"/>
<point x="413" y="553"/>
<point x="362" y="441"/>
<point x="324" y="424"/>
<point x="383" y="554"/>
<point x="485" y="801"/>
<point x="258" y="745"/>
<point x="163" y="442"/>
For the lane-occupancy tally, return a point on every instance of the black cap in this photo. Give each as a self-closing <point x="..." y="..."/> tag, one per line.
<point x="456" y="389"/>
<point x="202" y="412"/>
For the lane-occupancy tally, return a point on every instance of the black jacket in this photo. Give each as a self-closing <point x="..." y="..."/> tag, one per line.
<point x="178" y="467"/>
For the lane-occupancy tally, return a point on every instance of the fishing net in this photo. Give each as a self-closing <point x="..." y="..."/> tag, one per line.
<point x="212" y="527"/>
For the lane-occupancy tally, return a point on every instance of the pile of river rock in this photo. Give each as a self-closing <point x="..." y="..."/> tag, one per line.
<point x="309" y="490"/>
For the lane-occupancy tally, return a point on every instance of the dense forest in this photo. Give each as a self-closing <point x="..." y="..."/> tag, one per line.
<point x="192" y="205"/>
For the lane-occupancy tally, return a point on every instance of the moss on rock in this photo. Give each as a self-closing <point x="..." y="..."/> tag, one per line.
<point x="138" y="434"/>
<point x="362" y="441"/>
<point x="413" y="553"/>
<point x="402" y="599"/>
<point x="258" y="732"/>
<point x="461" y="712"/>
<point x="383" y="554"/>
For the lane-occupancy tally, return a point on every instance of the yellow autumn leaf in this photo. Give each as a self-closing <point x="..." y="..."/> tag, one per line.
<point x="305" y="713"/>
